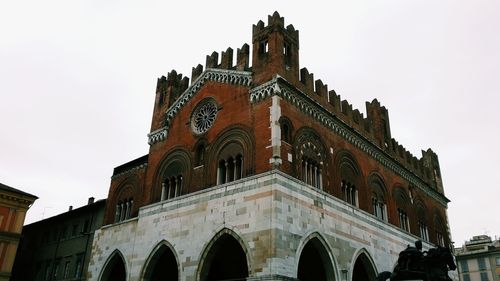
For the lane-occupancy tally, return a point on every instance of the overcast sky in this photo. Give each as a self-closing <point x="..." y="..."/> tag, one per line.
<point x="77" y="84"/>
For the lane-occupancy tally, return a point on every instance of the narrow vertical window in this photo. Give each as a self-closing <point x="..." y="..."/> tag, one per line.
<point x="263" y="47"/>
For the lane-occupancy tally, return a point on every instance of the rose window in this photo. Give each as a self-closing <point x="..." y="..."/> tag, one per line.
<point x="204" y="117"/>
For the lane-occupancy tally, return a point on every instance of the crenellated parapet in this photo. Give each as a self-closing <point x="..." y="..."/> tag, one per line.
<point x="168" y="90"/>
<point x="226" y="60"/>
<point x="275" y="50"/>
<point x="275" y="53"/>
<point x="409" y="167"/>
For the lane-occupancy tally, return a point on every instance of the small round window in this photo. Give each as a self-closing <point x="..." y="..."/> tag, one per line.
<point x="203" y="116"/>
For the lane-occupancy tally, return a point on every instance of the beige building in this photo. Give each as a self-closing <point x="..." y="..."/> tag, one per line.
<point x="13" y="206"/>
<point x="479" y="259"/>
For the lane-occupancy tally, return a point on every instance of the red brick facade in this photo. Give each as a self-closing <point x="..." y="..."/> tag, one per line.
<point x="341" y="147"/>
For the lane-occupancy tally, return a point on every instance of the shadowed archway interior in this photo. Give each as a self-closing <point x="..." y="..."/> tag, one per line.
<point x="363" y="269"/>
<point x="162" y="266"/>
<point x="115" y="270"/>
<point x="225" y="260"/>
<point x="314" y="263"/>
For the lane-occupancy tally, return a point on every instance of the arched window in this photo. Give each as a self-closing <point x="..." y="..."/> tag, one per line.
<point x="350" y="176"/>
<point x="173" y="175"/>
<point x="420" y="211"/>
<point x="403" y="204"/>
<point x="230" y="168"/>
<point x="171" y="187"/>
<point x="231" y="156"/>
<point x="124" y="200"/>
<point x="310" y="158"/>
<point x="440" y="229"/>
<point x="379" y="206"/>
<point x="349" y="192"/>
<point x="286" y="129"/>
<point x="124" y="209"/>
<point x="200" y="154"/>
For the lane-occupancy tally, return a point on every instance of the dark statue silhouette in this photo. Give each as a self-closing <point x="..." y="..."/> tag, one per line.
<point x="413" y="264"/>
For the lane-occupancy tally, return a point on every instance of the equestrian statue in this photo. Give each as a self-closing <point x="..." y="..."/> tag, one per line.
<point x="413" y="264"/>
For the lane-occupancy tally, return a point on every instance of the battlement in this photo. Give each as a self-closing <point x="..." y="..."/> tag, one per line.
<point x="226" y="62"/>
<point x="168" y="90"/>
<point x="275" y="52"/>
<point x="275" y="21"/>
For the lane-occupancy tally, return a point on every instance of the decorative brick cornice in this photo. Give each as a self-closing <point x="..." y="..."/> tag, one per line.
<point x="280" y="87"/>
<point x="243" y="78"/>
<point x="131" y="170"/>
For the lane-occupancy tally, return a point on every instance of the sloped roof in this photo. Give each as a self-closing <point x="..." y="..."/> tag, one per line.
<point x="15" y="190"/>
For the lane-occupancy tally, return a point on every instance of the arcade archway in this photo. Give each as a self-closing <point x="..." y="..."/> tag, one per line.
<point x="315" y="263"/>
<point x="225" y="259"/>
<point x="162" y="265"/>
<point x="114" y="269"/>
<point x="363" y="269"/>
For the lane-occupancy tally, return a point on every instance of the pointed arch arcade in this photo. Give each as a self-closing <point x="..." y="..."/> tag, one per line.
<point x="162" y="264"/>
<point x="363" y="267"/>
<point x="315" y="262"/>
<point x="114" y="269"/>
<point x="224" y="257"/>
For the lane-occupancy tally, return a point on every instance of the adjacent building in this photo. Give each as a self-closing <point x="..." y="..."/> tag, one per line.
<point x="479" y="259"/>
<point x="14" y="204"/>
<point x="59" y="247"/>
<point x="257" y="171"/>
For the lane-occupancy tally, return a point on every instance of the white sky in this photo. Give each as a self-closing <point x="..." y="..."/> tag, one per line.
<point x="77" y="83"/>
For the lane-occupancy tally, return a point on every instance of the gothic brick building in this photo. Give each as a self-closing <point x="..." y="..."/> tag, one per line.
<point x="261" y="173"/>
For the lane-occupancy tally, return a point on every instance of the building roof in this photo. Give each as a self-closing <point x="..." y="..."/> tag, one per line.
<point x="15" y="190"/>
<point x="70" y="213"/>
<point x="143" y="160"/>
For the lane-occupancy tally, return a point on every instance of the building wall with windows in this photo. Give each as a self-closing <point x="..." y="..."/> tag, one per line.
<point x="14" y="204"/>
<point x="479" y="259"/>
<point x="58" y="248"/>
<point x="266" y="159"/>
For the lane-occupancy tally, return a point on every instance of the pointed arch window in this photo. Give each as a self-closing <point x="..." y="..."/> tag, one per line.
<point x="172" y="180"/>
<point x="440" y="230"/>
<point x="286" y="129"/>
<point x="379" y="206"/>
<point x="423" y="231"/>
<point x="402" y="202"/>
<point x="421" y="213"/>
<point x="404" y="222"/>
<point x="349" y="178"/>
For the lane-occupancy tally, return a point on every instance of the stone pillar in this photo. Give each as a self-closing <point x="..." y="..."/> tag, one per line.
<point x="163" y="191"/>
<point x="117" y="213"/>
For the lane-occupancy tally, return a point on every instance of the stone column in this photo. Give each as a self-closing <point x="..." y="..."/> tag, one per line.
<point x="117" y="213"/>
<point x="163" y="191"/>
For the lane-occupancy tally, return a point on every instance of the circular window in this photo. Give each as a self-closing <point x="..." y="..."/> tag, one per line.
<point x="204" y="117"/>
